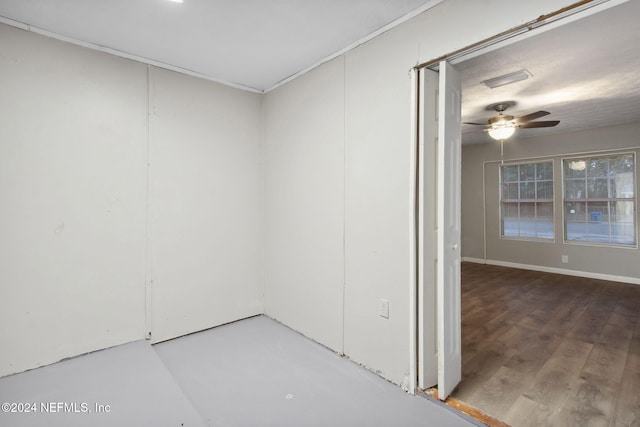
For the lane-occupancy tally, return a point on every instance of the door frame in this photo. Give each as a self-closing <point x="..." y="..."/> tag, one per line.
<point x="532" y="28"/>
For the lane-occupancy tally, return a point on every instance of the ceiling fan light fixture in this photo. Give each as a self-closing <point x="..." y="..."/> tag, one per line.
<point x="502" y="131"/>
<point x="507" y="79"/>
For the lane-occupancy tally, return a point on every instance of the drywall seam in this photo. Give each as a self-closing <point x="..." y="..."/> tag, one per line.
<point x="263" y="166"/>
<point x="344" y="198"/>
<point x="148" y="282"/>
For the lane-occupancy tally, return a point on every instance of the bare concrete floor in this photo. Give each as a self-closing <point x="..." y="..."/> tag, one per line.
<point x="126" y="385"/>
<point x="254" y="372"/>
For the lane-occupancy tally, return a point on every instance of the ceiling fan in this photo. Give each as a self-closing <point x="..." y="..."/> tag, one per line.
<point x="503" y="126"/>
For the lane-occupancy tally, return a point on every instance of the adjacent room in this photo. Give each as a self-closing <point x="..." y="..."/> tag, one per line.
<point x="209" y="210"/>
<point x="550" y="226"/>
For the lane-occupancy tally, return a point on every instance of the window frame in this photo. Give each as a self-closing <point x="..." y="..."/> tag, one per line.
<point x="589" y="156"/>
<point x="552" y="201"/>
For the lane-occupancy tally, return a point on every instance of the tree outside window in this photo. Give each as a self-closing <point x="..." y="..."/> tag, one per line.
<point x="599" y="199"/>
<point x="526" y="200"/>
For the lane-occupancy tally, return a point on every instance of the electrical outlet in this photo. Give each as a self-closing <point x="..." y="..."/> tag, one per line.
<point x="565" y="259"/>
<point x="383" y="309"/>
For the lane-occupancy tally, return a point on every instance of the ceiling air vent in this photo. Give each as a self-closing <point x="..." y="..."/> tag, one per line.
<point x="507" y="79"/>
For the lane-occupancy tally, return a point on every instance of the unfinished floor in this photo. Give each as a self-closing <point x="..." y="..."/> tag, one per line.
<point x="543" y="349"/>
<point x="255" y="372"/>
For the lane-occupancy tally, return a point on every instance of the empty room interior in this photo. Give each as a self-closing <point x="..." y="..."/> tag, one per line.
<point x="550" y="300"/>
<point x="210" y="213"/>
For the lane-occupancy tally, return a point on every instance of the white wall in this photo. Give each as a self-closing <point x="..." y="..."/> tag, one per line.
<point x="74" y="148"/>
<point x="304" y="181"/>
<point x="481" y="162"/>
<point x="379" y="202"/>
<point x="206" y="204"/>
<point x="73" y="182"/>
<point x="337" y="186"/>
<point x="377" y="206"/>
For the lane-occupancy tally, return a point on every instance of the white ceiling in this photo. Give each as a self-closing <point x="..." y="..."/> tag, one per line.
<point x="249" y="43"/>
<point x="585" y="73"/>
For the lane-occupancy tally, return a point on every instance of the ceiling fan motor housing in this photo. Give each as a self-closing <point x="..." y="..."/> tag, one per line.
<point x="500" y="119"/>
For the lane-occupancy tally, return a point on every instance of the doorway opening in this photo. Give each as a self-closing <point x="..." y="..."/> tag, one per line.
<point x="425" y="282"/>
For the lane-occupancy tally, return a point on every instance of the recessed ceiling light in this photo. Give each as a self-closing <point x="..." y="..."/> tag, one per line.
<point x="177" y="1"/>
<point x="507" y="79"/>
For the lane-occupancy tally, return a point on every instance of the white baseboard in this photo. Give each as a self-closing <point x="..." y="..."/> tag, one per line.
<point x="586" y="274"/>
<point x="474" y="260"/>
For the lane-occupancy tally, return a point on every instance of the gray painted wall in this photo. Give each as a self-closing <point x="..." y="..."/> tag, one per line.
<point x="481" y="164"/>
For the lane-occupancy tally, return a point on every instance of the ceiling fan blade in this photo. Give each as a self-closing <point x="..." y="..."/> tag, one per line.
<point x="532" y="116"/>
<point x="545" y="124"/>
<point x="478" y="124"/>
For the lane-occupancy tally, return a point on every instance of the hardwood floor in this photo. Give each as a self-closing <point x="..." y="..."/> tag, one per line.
<point x="543" y="349"/>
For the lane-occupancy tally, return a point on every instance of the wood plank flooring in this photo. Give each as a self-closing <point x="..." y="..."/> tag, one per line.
<point x="542" y="349"/>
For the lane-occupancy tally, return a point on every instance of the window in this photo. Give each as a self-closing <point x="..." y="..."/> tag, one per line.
<point x="526" y="200"/>
<point x="599" y="198"/>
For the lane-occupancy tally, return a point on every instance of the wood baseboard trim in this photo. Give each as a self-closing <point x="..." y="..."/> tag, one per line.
<point x="469" y="410"/>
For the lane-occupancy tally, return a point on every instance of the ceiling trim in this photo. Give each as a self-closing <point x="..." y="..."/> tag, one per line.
<point x="382" y="30"/>
<point x="54" y="35"/>
<point x="119" y="53"/>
